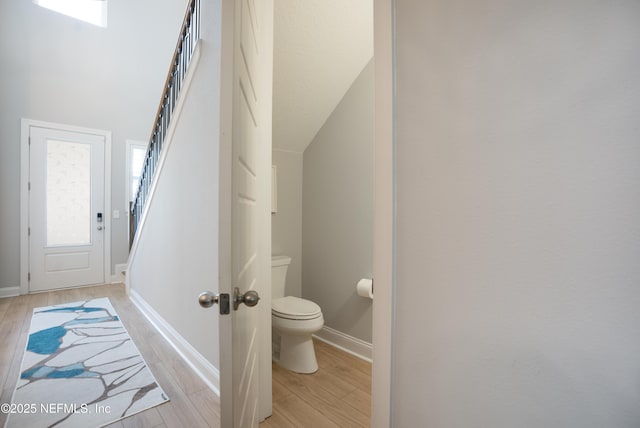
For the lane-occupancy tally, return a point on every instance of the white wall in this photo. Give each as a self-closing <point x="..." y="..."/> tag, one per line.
<point x="518" y="240"/>
<point x="177" y="254"/>
<point x="337" y="211"/>
<point x="286" y="224"/>
<point x="57" y="69"/>
<point x="320" y="47"/>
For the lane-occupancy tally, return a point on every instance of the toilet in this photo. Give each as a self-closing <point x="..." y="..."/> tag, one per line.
<point x="293" y="320"/>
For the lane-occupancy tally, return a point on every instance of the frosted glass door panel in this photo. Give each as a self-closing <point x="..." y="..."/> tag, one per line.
<point x="68" y="197"/>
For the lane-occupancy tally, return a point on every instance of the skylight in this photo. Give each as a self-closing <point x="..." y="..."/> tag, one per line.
<point x="91" y="11"/>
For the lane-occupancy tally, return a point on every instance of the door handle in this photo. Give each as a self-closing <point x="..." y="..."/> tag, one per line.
<point x="99" y="227"/>
<point x="249" y="298"/>
<point x="209" y="298"/>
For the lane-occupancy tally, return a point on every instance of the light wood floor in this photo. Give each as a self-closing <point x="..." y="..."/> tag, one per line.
<point x="337" y="395"/>
<point x="192" y="403"/>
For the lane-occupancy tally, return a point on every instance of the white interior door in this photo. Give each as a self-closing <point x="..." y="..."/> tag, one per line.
<point x="66" y="208"/>
<point x="245" y="377"/>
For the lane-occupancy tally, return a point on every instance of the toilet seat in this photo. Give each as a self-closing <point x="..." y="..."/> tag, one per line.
<point x="295" y="308"/>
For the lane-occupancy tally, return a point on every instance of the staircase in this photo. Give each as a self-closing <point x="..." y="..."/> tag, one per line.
<point x="170" y="99"/>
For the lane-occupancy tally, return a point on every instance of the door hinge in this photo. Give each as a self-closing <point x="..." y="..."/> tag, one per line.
<point x="29" y="276"/>
<point x="28" y="231"/>
<point x="29" y="139"/>
<point x="29" y="186"/>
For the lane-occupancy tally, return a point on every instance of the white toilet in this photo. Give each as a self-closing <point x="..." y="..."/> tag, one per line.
<point x="294" y="320"/>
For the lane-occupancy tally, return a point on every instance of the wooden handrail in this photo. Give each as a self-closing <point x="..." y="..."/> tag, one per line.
<point x="176" y="52"/>
<point x="189" y="34"/>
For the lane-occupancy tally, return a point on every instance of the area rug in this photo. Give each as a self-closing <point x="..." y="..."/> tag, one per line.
<point x="80" y="369"/>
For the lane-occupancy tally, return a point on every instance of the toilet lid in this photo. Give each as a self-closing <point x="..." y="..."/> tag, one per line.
<point x="295" y="308"/>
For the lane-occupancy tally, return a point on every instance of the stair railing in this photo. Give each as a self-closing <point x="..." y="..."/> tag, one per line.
<point x="189" y="34"/>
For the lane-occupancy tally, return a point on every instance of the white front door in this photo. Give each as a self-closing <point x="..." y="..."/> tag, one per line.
<point x="67" y="217"/>
<point x="245" y="357"/>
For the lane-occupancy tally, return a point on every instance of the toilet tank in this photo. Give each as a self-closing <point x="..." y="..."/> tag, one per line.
<point x="279" y="266"/>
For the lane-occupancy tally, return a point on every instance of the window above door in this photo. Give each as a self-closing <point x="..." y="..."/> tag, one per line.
<point x="91" y="11"/>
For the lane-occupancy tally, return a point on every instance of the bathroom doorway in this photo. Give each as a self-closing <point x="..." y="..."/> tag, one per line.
<point x="323" y="156"/>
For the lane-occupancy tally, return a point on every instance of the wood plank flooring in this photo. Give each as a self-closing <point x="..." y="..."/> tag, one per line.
<point x="337" y="395"/>
<point x="192" y="403"/>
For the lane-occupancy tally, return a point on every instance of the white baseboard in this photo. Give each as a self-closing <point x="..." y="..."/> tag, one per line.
<point x="350" y="344"/>
<point x="118" y="278"/>
<point x="9" y="292"/>
<point x="203" y="368"/>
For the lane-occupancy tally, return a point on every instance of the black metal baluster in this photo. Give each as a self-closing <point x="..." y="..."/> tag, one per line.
<point x="189" y="34"/>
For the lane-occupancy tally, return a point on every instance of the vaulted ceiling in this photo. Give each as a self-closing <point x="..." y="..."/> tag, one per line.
<point x="320" y="47"/>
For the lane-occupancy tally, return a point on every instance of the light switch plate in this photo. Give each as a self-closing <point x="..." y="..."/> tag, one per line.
<point x="116" y="213"/>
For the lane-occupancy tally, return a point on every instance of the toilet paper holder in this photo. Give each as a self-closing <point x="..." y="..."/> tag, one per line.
<point x="364" y="288"/>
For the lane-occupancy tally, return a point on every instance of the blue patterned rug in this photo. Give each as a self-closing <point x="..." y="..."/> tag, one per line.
<point x="80" y="369"/>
